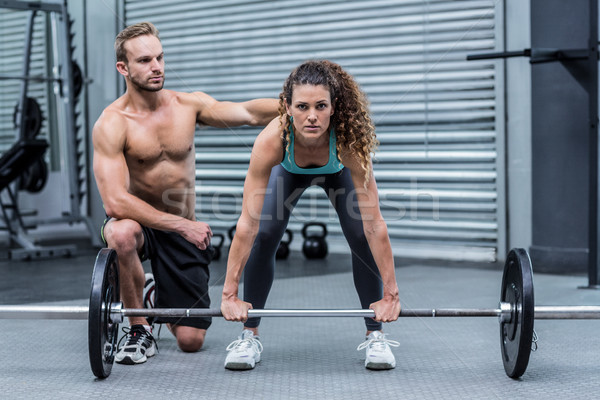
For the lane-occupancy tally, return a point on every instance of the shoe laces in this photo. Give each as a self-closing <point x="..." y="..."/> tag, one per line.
<point x="243" y="344"/>
<point x="378" y="344"/>
<point x="159" y="330"/>
<point x="136" y="334"/>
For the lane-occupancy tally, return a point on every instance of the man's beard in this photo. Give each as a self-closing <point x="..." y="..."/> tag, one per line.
<point x="146" y="87"/>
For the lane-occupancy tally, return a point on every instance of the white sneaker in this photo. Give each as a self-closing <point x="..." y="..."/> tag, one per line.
<point x="148" y="293"/>
<point x="244" y="352"/>
<point x="379" y="354"/>
<point x="139" y="345"/>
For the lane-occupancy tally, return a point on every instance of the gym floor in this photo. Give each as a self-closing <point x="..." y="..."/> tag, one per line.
<point x="443" y="358"/>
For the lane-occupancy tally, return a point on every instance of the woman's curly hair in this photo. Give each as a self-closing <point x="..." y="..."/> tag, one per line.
<point x="351" y="119"/>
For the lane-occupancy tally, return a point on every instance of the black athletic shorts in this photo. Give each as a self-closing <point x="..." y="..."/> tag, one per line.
<point x="180" y="272"/>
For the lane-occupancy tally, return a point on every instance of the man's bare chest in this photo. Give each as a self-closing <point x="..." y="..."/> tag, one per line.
<point x="170" y="140"/>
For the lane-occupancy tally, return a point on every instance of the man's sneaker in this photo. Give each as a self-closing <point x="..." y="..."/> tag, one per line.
<point x="149" y="287"/>
<point x="379" y="354"/>
<point x="244" y="352"/>
<point x="138" y="347"/>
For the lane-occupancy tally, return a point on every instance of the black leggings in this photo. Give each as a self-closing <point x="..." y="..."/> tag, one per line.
<point x="283" y="192"/>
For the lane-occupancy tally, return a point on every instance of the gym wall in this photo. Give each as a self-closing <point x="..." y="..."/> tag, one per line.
<point x="436" y="113"/>
<point x="442" y="167"/>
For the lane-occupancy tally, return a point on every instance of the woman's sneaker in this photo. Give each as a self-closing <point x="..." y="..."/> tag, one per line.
<point x="140" y="345"/>
<point x="244" y="352"/>
<point x="379" y="354"/>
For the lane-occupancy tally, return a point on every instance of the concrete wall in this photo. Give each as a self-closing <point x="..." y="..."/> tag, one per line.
<point x="560" y="137"/>
<point x="102" y="25"/>
<point x="518" y="125"/>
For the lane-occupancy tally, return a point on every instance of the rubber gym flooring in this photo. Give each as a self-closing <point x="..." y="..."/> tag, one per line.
<point x="303" y="358"/>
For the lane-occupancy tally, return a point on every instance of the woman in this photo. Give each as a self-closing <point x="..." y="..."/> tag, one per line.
<point x="324" y="136"/>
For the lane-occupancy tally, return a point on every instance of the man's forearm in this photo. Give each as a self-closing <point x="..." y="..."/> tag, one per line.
<point x="131" y="207"/>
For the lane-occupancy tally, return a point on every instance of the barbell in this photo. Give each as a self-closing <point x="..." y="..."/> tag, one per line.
<point x="516" y="313"/>
<point x="76" y="73"/>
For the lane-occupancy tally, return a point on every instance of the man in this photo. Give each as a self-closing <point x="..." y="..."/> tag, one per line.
<point x="144" y="164"/>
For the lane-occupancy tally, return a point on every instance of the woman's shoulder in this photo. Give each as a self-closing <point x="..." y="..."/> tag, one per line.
<point x="350" y="158"/>
<point x="268" y="144"/>
<point x="272" y="132"/>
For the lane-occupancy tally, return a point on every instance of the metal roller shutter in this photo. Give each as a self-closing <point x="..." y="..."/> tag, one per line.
<point x="437" y="166"/>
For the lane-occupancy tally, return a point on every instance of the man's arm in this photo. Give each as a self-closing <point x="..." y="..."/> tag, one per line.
<point x="223" y="114"/>
<point x="112" y="178"/>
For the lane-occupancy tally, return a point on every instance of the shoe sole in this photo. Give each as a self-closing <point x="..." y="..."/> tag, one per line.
<point x="379" y="366"/>
<point x="239" y="366"/>
<point x="130" y="361"/>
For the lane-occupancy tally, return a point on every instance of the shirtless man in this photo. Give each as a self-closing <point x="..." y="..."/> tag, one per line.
<point x="144" y="164"/>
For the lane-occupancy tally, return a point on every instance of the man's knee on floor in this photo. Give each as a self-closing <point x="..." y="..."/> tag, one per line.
<point x="190" y="339"/>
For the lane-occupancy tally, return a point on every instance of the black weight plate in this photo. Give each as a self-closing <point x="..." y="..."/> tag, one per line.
<point x="33" y="118"/>
<point x="35" y="177"/>
<point x="77" y="77"/>
<point x="102" y="332"/>
<point x="516" y="336"/>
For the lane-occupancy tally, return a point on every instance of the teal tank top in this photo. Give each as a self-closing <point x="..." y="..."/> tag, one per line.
<point x="333" y="165"/>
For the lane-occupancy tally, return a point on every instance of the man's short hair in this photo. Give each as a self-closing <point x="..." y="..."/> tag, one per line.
<point x="132" y="31"/>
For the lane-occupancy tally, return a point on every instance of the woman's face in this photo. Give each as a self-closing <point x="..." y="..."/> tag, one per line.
<point x="311" y="109"/>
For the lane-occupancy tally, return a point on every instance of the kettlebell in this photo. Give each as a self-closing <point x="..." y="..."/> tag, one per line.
<point x="217" y="246"/>
<point x="283" y="251"/>
<point x="314" y="245"/>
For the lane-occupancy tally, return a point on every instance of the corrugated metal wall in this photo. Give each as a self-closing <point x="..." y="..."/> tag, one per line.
<point x="436" y="114"/>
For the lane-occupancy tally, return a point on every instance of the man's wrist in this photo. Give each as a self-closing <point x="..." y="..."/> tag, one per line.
<point x="179" y="225"/>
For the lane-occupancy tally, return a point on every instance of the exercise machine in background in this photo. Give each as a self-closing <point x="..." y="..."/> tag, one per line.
<point x="23" y="166"/>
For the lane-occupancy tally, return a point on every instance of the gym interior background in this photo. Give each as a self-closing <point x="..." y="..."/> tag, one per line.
<point x="475" y="156"/>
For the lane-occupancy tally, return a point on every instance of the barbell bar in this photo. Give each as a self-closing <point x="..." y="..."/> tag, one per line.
<point x="35" y="78"/>
<point x="117" y="313"/>
<point x="516" y="313"/>
<point x="76" y="73"/>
